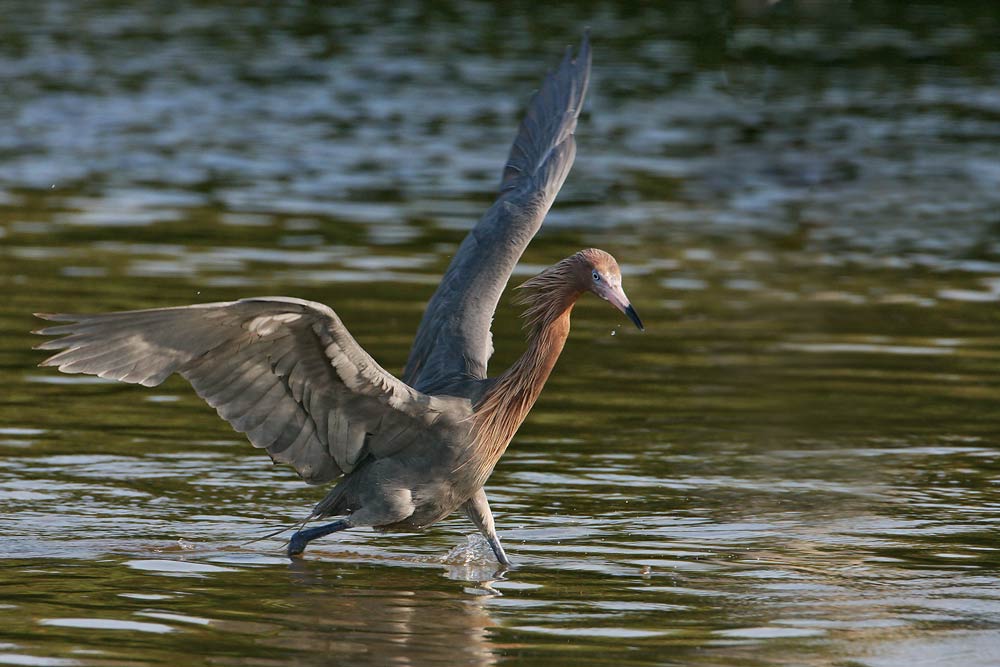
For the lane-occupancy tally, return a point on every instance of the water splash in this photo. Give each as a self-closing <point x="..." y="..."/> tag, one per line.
<point x="476" y="550"/>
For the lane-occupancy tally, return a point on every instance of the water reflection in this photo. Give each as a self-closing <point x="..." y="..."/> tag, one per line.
<point x="304" y="612"/>
<point x="386" y="625"/>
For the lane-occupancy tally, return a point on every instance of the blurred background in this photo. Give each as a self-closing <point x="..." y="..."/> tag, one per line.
<point x="795" y="464"/>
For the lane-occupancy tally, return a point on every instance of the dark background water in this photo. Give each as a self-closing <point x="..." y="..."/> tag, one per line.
<point x="795" y="464"/>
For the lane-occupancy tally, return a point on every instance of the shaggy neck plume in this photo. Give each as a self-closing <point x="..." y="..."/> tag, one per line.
<point x="549" y="298"/>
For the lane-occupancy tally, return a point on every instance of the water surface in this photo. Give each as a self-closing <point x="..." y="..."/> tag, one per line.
<point x="795" y="464"/>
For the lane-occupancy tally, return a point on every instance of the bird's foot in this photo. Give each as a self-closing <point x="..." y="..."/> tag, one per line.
<point x="296" y="546"/>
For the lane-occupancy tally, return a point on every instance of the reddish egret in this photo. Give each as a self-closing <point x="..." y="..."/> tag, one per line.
<point x="288" y="374"/>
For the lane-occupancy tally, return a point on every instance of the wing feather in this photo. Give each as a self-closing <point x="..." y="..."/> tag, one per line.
<point x="453" y="342"/>
<point x="285" y="372"/>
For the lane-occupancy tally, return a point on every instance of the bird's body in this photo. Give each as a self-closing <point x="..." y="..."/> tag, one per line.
<point x="288" y="374"/>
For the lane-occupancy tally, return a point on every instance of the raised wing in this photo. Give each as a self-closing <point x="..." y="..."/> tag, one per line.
<point x="285" y="372"/>
<point x="454" y="342"/>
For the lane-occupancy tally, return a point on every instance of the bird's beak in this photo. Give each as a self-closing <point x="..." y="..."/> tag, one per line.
<point x="616" y="297"/>
<point x="634" y="316"/>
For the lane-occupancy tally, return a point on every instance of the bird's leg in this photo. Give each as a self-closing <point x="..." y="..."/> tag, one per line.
<point x="477" y="508"/>
<point x="300" y="539"/>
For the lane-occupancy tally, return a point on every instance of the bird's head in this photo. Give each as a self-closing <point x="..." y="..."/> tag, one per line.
<point x="556" y="288"/>
<point x="599" y="273"/>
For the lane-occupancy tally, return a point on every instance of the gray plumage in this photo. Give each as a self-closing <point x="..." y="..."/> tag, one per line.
<point x="288" y="374"/>
<point x="453" y="341"/>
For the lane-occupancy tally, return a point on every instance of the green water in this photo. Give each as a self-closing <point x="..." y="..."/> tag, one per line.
<point x="796" y="463"/>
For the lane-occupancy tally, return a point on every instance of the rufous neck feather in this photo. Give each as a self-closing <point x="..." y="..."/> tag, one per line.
<point x="549" y="299"/>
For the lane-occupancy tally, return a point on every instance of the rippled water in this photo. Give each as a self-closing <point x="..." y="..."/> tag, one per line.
<point x="795" y="464"/>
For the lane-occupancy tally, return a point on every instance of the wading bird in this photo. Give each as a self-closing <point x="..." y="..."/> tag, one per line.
<point x="288" y="374"/>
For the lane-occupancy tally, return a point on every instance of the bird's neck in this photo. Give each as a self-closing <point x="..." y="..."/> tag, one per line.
<point x="518" y="388"/>
<point x="502" y="409"/>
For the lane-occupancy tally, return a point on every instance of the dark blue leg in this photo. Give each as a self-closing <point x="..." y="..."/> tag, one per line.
<point x="299" y="540"/>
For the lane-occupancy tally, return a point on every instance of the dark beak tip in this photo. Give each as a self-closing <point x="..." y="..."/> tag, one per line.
<point x="634" y="316"/>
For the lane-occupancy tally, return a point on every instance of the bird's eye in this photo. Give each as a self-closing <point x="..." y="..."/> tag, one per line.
<point x="597" y="276"/>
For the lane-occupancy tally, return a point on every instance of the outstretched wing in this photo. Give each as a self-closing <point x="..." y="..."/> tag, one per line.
<point x="453" y="342"/>
<point x="285" y="372"/>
